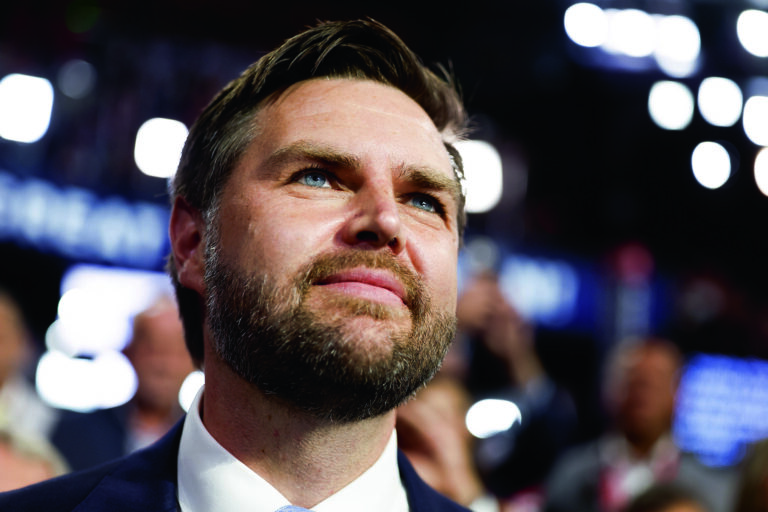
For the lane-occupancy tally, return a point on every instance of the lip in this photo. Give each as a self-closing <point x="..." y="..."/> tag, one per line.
<point x="375" y="284"/>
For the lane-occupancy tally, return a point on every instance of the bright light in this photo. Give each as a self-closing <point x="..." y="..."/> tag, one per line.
<point x="631" y="32"/>
<point x="189" y="388"/>
<point x="97" y="305"/>
<point x="158" y="146"/>
<point x="545" y="292"/>
<point x="491" y="416"/>
<point x="752" y="27"/>
<point x="61" y="339"/>
<point x="76" y="78"/>
<point x="670" y="105"/>
<point x="722" y="407"/>
<point x="25" y="107"/>
<point x="89" y="322"/>
<point x="674" y="41"/>
<point x="84" y="385"/>
<point x="483" y="172"/>
<point x="761" y="171"/>
<point x="94" y="321"/>
<point x="720" y="101"/>
<point x="586" y="24"/>
<point x="755" y="119"/>
<point x="678" y="45"/>
<point x="711" y="165"/>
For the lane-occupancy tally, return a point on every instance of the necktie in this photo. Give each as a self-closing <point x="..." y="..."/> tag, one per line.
<point x="292" y="508"/>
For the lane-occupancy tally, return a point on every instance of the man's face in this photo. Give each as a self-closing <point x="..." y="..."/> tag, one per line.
<point x="332" y="273"/>
<point x="159" y="357"/>
<point x="12" y="341"/>
<point x="646" y="391"/>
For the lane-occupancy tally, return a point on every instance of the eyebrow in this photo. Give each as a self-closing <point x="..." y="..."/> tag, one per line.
<point x="305" y="150"/>
<point x="421" y="176"/>
<point x="431" y="180"/>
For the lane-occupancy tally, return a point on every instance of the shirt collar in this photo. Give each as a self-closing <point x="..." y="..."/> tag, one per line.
<point x="210" y="478"/>
<point x="615" y="450"/>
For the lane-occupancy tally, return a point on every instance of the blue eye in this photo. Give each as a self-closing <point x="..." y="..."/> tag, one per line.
<point x="425" y="202"/>
<point x="314" y="179"/>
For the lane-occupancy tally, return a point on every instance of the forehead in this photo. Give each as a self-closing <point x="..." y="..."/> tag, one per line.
<point x="357" y="116"/>
<point x="10" y="316"/>
<point x="649" y="358"/>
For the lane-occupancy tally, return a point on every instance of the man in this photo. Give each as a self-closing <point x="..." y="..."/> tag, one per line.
<point x="432" y="433"/>
<point x="316" y="222"/>
<point x="26" y="459"/>
<point x="21" y="408"/>
<point x="504" y="364"/>
<point x="161" y="361"/>
<point x="640" y="388"/>
<point x="666" y="497"/>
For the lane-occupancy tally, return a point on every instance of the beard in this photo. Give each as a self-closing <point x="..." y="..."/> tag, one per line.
<point x="312" y="357"/>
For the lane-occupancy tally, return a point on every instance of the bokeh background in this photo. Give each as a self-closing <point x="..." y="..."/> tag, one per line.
<point x="602" y="231"/>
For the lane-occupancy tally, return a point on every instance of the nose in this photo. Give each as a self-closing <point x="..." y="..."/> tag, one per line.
<point x="375" y="222"/>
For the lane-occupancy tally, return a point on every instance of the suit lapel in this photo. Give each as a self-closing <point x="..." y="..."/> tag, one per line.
<point x="146" y="482"/>
<point x="421" y="497"/>
<point x="143" y="482"/>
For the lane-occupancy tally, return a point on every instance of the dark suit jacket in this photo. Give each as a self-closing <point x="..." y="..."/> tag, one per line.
<point x="575" y="481"/>
<point x="145" y="481"/>
<point x="86" y="440"/>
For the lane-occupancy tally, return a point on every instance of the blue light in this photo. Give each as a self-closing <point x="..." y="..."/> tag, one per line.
<point x="722" y="407"/>
<point x="543" y="291"/>
<point x="75" y="223"/>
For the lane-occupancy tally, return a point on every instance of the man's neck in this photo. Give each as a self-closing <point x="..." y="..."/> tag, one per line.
<point x="304" y="458"/>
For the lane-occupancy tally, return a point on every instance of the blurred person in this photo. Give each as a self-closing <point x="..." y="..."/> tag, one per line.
<point x="26" y="460"/>
<point x="161" y="361"/>
<point x="21" y="408"/>
<point x="474" y="307"/>
<point x="479" y="301"/>
<point x="432" y="432"/>
<point x="640" y="387"/>
<point x="666" y="497"/>
<point x="315" y="229"/>
<point x="505" y="365"/>
<point x="752" y="488"/>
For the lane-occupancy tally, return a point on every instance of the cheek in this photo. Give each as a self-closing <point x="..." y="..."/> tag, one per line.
<point x="438" y="268"/>
<point x="292" y="239"/>
<point x="247" y="228"/>
<point x="449" y="294"/>
<point x="273" y="239"/>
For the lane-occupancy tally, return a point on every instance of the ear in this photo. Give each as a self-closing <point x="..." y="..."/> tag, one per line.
<point x="186" y="228"/>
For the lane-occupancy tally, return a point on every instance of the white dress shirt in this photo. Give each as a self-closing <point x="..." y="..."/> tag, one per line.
<point x="211" y="478"/>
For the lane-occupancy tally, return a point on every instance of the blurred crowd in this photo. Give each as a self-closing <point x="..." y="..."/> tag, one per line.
<point x="545" y="461"/>
<point x="550" y="460"/>
<point x="38" y="441"/>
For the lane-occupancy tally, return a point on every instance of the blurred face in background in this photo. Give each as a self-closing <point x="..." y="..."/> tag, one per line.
<point x="642" y="391"/>
<point x="159" y="357"/>
<point x="13" y="340"/>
